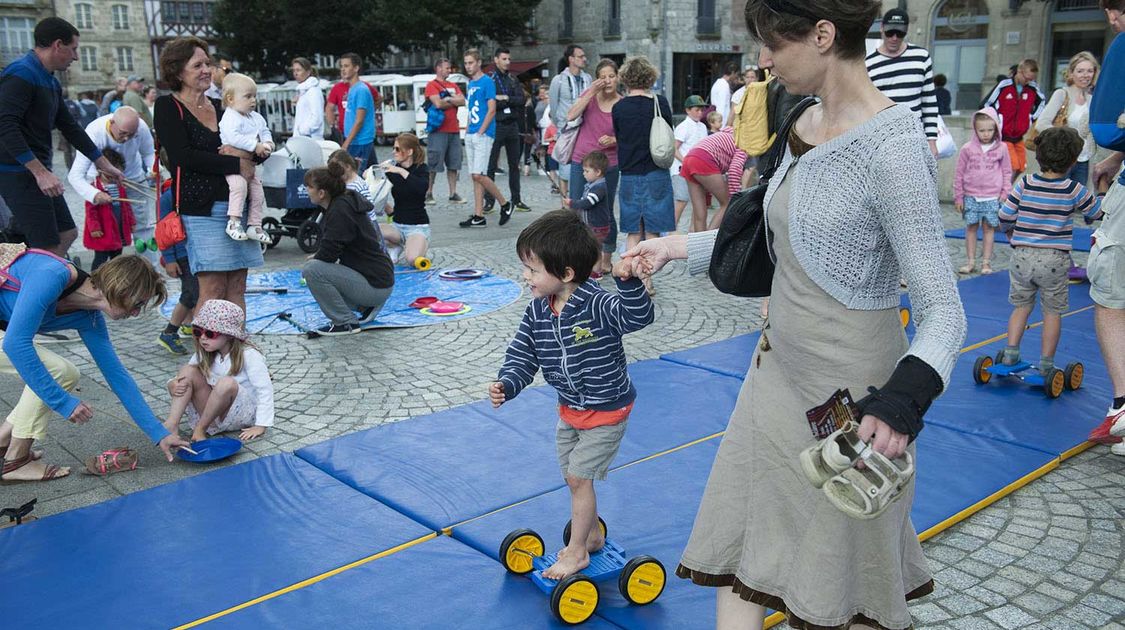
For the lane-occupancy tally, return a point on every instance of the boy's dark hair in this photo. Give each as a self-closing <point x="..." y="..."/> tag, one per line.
<point x="940" y="80"/>
<point x="1057" y="149"/>
<point x="502" y="51"/>
<point x="559" y="239"/>
<point x="353" y="59"/>
<point x="597" y="161"/>
<point x="52" y="29"/>
<point x="1112" y="5"/>
<point x="114" y="158"/>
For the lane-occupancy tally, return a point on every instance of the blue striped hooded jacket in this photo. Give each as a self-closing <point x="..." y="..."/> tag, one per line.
<point x="580" y="350"/>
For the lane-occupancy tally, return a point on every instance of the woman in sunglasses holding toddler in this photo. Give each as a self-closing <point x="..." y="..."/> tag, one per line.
<point x="226" y="385"/>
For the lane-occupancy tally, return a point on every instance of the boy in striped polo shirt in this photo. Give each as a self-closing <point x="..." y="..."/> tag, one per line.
<point x="572" y="331"/>
<point x="1038" y="217"/>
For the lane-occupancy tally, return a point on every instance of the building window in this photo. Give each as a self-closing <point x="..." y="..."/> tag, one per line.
<point x="566" y="26"/>
<point x="706" y="22"/>
<point x="124" y="59"/>
<point x="185" y="12"/>
<point x="960" y="50"/>
<point x="613" y="20"/>
<point x="16" y="37"/>
<point x="89" y="58"/>
<point x="120" y="17"/>
<point x="84" y="16"/>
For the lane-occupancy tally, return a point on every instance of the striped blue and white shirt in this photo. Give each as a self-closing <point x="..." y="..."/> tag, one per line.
<point x="908" y="79"/>
<point x="1041" y="210"/>
<point x="579" y="350"/>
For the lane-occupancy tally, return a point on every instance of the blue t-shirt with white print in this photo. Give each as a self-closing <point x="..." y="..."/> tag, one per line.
<point x="480" y="92"/>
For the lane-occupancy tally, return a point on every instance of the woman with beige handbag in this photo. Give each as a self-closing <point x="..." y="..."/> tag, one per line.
<point x="1070" y="106"/>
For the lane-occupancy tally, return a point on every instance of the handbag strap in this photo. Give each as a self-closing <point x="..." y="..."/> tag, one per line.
<point x="783" y="136"/>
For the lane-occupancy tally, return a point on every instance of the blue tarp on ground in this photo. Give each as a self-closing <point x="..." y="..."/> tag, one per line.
<point x="1081" y="237"/>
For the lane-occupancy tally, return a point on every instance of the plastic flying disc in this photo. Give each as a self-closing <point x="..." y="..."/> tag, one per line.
<point x="463" y="274"/>
<point x="423" y="302"/>
<point x="211" y="450"/>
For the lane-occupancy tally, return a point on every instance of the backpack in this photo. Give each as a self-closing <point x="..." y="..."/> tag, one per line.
<point x="435" y="116"/>
<point x="661" y="139"/>
<point x="751" y="120"/>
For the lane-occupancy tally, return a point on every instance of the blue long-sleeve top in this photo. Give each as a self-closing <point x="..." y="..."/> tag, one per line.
<point x="31" y="309"/>
<point x="1108" y="101"/>
<point x="31" y="105"/>
<point x="579" y="350"/>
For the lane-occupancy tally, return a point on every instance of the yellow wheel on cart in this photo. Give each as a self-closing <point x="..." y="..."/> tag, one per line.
<point x="601" y="524"/>
<point x="1073" y="375"/>
<point x="981" y="375"/>
<point x="1054" y="382"/>
<point x="574" y="599"/>
<point x="519" y="549"/>
<point x="642" y="580"/>
<point x="422" y="263"/>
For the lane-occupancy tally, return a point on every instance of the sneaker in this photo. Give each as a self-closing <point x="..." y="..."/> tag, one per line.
<point x="1117" y="417"/>
<point x="1118" y="449"/>
<point x="455" y="198"/>
<point x="489" y="208"/>
<point x="1104" y="432"/>
<point x="430" y="200"/>
<point x="522" y="207"/>
<point x="526" y="170"/>
<point x="234" y="230"/>
<point x="172" y="343"/>
<point x="474" y="221"/>
<point x="505" y="213"/>
<point x="338" y="329"/>
<point x="368" y="314"/>
<point x="1009" y="356"/>
<point x="542" y="173"/>
<point x="186" y="330"/>
<point x="255" y="233"/>
<point x="555" y="190"/>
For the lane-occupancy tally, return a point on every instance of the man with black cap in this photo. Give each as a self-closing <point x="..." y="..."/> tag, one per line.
<point x="905" y="73"/>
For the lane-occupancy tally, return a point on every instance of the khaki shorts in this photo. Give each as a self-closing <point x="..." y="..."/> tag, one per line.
<point x="587" y="453"/>
<point x="1043" y="271"/>
<point x="1106" y="266"/>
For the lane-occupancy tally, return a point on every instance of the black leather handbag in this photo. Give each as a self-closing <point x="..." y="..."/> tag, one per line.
<point x="740" y="262"/>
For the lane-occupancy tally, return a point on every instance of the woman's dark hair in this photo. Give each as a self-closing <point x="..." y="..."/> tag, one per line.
<point x="776" y="21"/>
<point x="53" y="29"/>
<point x="605" y="63"/>
<point x="564" y="63"/>
<point x="345" y="159"/>
<point x="559" y="239"/>
<point x="175" y="56"/>
<point x="1112" y="5"/>
<point x="1058" y="148"/>
<point x="306" y="64"/>
<point x="327" y="178"/>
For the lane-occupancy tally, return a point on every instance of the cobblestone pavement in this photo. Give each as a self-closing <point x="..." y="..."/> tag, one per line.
<point x="1048" y="556"/>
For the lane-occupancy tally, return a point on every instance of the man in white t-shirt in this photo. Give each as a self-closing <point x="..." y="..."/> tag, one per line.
<point x="721" y="89"/>
<point x="687" y="133"/>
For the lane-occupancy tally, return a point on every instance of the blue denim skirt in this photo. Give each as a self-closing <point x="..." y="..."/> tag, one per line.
<point x="647" y="197"/>
<point x="210" y="249"/>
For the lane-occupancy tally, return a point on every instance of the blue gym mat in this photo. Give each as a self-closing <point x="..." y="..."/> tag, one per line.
<point x="437" y="584"/>
<point x="485" y="295"/>
<point x="178" y="552"/>
<point x="1081" y="237"/>
<point x="986" y="298"/>
<point x="460" y="463"/>
<point x="729" y="357"/>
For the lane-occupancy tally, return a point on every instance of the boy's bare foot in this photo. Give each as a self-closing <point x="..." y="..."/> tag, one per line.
<point x="595" y="541"/>
<point x="35" y="470"/>
<point x="570" y="563"/>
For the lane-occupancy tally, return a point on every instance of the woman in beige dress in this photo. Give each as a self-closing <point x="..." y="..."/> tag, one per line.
<point x="851" y="210"/>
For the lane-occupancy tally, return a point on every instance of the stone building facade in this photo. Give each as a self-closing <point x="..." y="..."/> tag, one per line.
<point x="114" y="43"/>
<point x="17" y="25"/>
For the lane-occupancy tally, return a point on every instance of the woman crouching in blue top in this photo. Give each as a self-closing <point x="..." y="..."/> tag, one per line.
<point x="40" y="292"/>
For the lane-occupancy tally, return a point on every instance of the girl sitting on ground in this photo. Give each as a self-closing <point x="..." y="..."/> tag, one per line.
<point x="409" y="179"/>
<point x="226" y="385"/>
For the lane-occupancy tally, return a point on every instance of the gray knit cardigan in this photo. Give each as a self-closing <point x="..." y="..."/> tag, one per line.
<point x="863" y="214"/>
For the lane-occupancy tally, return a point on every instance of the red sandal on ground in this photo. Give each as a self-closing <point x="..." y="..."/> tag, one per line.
<point x="112" y="461"/>
<point x="50" y="472"/>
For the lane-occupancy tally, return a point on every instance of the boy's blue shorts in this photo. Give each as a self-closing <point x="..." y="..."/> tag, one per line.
<point x="977" y="211"/>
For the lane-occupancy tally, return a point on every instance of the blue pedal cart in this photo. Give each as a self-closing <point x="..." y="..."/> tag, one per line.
<point x="575" y="598"/>
<point x="1054" y="381"/>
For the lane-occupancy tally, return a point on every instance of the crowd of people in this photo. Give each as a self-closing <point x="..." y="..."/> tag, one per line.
<point x="843" y="246"/>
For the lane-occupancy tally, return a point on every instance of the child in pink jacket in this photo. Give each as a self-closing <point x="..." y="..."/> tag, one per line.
<point x="981" y="183"/>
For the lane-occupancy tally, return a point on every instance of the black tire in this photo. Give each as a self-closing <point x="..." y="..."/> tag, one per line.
<point x="1054" y="383"/>
<point x="654" y="579"/>
<point x="272" y="227"/>
<point x="570" y="609"/>
<point x="308" y="235"/>
<point x="980" y="374"/>
<point x="1073" y="375"/>
<point x="566" y="530"/>
<point x="519" y="567"/>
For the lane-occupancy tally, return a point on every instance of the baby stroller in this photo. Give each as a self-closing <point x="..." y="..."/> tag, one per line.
<point x="283" y="176"/>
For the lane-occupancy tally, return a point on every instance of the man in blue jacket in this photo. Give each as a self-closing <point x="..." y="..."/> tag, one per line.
<point x="31" y="105"/>
<point x="1106" y="265"/>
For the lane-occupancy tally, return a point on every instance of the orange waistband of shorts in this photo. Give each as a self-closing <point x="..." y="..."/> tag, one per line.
<point x="590" y="418"/>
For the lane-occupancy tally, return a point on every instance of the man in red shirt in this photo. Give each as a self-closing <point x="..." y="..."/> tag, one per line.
<point x="338" y="103"/>
<point x="444" y="144"/>
<point x="1019" y="101"/>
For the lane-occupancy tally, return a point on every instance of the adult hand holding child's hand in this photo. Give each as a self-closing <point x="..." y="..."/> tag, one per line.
<point x="496" y="394"/>
<point x="623" y="269"/>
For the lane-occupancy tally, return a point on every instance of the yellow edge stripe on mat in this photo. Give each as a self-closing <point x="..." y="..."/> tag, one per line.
<point x="1028" y="327"/>
<point x="773" y="620"/>
<point x="308" y="582"/>
<point x="987" y="501"/>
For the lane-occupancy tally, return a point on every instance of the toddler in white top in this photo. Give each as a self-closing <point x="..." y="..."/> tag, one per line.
<point x="244" y="128"/>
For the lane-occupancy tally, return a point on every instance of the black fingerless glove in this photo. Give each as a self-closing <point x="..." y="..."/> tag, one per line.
<point x="903" y="401"/>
